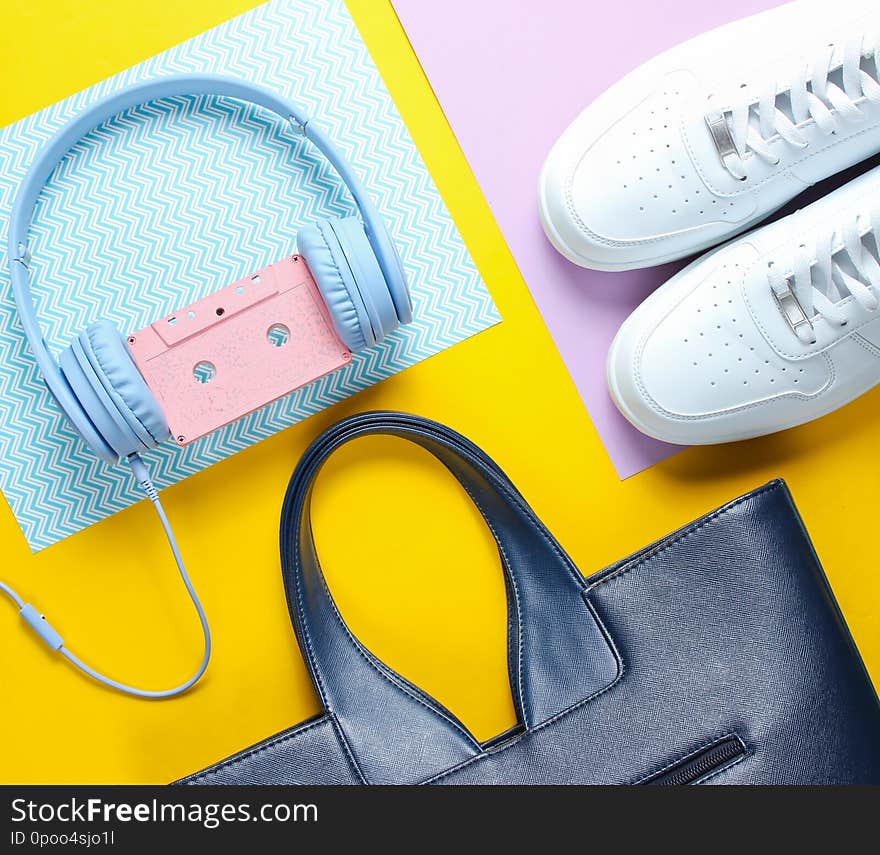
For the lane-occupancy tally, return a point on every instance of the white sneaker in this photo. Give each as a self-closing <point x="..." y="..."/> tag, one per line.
<point x="772" y="330"/>
<point x="714" y="135"/>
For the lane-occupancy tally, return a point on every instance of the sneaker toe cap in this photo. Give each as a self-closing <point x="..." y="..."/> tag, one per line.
<point x="690" y="367"/>
<point x="622" y="191"/>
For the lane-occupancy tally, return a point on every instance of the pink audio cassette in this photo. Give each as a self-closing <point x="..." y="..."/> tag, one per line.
<point x="238" y="349"/>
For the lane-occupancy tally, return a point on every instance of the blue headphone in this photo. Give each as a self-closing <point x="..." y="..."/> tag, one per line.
<point x="95" y="381"/>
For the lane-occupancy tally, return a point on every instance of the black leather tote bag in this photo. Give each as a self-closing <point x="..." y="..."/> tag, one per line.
<point x="717" y="655"/>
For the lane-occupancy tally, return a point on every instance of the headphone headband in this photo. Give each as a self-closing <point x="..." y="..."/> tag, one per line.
<point x="141" y="93"/>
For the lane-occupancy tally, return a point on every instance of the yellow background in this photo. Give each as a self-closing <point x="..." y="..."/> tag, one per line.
<point x="414" y="572"/>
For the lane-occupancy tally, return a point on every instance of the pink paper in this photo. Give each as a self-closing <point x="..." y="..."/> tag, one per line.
<point x="510" y="75"/>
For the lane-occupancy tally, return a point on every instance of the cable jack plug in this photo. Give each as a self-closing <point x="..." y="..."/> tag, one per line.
<point x="142" y="475"/>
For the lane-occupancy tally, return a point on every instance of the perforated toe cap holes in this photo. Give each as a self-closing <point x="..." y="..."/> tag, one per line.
<point x="638" y="179"/>
<point x="706" y="355"/>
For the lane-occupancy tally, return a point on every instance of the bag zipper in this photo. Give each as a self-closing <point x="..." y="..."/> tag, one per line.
<point x="699" y="765"/>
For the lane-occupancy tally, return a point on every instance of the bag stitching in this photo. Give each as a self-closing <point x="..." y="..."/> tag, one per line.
<point x="360" y="652"/>
<point x="715" y="515"/>
<point x="688" y="756"/>
<point x="273" y="742"/>
<point x="621" y="668"/>
<point x="724" y="768"/>
<point x="530" y="520"/>
<point x="506" y="487"/>
<point x="507" y="491"/>
<point x="516" y="597"/>
<point x="281" y="740"/>
<point x="346" y="747"/>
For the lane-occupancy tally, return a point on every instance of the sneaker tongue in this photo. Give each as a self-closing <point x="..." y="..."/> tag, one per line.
<point x="835" y="289"/>
<point x="783" y="76"/>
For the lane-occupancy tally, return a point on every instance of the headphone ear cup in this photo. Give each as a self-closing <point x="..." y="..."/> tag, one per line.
<point x="132" y="406"/>
<point x="89" y="408"/>
<point x="320" y="250"/>
<point x="350" y="280"/>
<point x="368" y="275"/>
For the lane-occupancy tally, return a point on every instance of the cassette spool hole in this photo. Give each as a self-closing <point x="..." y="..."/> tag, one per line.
<point x="204" y="371"/>
<point x="278" y="335"/>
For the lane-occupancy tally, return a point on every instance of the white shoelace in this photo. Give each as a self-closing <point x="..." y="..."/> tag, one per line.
<point x="825" y="91"/>
<point x="841" y="264"/>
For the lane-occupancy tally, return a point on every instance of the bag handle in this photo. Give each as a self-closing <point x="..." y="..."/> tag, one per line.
<point x="559" y="654"/>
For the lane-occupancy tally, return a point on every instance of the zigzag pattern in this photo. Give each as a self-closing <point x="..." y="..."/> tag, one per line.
<point x="169" y="201"/>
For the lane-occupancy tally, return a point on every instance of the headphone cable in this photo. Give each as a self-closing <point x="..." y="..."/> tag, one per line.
<point x="56" y="643"/>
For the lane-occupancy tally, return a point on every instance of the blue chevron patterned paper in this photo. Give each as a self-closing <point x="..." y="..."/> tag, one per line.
<point x="164" y="204"/>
